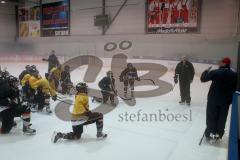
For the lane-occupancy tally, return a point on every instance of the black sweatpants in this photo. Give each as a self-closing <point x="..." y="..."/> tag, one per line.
<point x="93" y="117"/>
<point x="106" y="96"/>
<point x="185" y="91"/>
<point x="130" y="82"/>
<point x="216" y="117"/>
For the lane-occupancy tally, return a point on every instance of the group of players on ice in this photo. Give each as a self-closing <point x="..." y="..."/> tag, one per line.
<point x="35" y="93"/>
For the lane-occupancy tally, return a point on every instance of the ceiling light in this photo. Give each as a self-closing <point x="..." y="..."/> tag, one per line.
<point x="3" y="2"/>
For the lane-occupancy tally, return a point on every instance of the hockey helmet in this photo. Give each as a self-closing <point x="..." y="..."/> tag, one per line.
<point x="129" y="65"/>
<point x="5" y="74"/>
<point x="110" y="74"/>
<point x="33" y="66"/>
<point x="82" y="87"/>
<point x="12" y="81"/>
<point x="33" y="71"/>
<point x="27" y="67"/>
<point x="67" y="68"/>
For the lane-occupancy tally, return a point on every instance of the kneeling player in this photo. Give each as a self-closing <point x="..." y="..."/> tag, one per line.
<point x="44" y="92"/>
<point x="107" y="85"/>
<point x="11" y="106"/>
<point x="81" y="110"/>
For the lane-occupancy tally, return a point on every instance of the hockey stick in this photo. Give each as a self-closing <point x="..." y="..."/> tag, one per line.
<point x="64" y="101"/>
<point x="173" y="86"/>
<point x="149" y="80"/>
<point x="115" y="93"/>
<point x="201" y="139"/>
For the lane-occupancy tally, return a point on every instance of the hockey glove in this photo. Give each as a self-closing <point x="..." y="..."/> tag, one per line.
<point x="175" y="78"/>
<point x="121" y="80"/>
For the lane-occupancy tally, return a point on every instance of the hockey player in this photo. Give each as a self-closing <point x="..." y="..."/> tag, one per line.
<point x="55" y="76"/>
<point x="80" y="110"/>
<point x="107" y="85"/>
<point x="24" y="72"/>
<point x="184" y="72"/>
<point x="38" y="91"/>
<point x="65" y="80"/>
<point x="224" y="82"/>
<point x="27" y="92"/>
<point x="11" y="106"/>
<point x="128" y="76"/>
<point x="52" y="61"/>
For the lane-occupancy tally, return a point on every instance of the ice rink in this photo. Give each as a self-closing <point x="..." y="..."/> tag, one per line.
<point x="127" y="139"/>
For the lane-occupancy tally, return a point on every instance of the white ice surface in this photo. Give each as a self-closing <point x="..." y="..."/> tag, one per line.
<point x="126" y="140"/>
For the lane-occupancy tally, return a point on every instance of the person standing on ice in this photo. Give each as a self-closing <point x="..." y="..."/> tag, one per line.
<point x="52" y="60"/>
<point x="128" y="77"/>
<point x="224" y="82"/>
<point x="81" y="116"/>
<point x="184" y="72"/>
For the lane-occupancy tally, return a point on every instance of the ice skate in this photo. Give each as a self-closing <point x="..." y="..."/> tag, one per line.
<point x="181" y="102"/>
<point x="48" y="110"/>
<point x="28" y="130"/>
<point x="56" y="136"/>
<point x="101" y="135"/>
<point x="212" y="139"/>
<point x="113" y="103"/>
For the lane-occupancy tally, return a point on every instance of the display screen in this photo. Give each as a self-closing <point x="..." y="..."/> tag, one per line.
<point x="55" y="19"/>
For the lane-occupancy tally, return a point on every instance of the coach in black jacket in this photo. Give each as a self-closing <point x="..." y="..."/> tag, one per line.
<point x="184" y="72"/>
<point x="224" y="82"/>
<point x="52" y="61"/>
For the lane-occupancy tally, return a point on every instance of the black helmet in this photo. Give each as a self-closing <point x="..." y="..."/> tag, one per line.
<point x="12" y="81"/>
<point x="33" y="70"/>
<point x="27" y="67"/>
<point x="129" y="65"/>
<point x="34" y="67"/>
<point x="82" y="87"/>
<point x="5" y="74"/>
<point x="110" y="74"/>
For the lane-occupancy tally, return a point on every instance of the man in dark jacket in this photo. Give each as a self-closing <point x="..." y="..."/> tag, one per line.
<point x="224" y="82"/>
<point x="184" y="72"/>
<point x="52" y="61"/>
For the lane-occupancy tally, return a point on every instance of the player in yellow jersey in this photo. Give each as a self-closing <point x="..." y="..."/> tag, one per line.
<point x="81" y="116"/>
<point x="55" y="76"/>
<point x="44" y="92"/>
<point x="37" y="91"/>
<point x="28" y="92"/>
